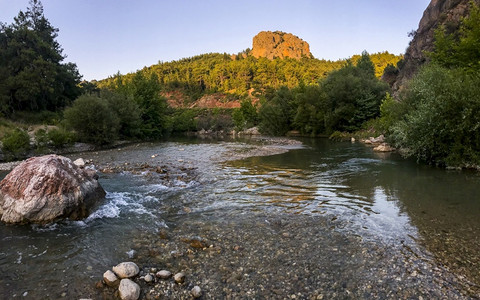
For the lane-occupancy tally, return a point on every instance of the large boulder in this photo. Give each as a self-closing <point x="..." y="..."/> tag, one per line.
<point x="48" y="188"/>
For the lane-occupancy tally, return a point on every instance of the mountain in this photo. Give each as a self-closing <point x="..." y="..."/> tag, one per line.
<point x="279" y="44"/>
<point x="446" y="13"/>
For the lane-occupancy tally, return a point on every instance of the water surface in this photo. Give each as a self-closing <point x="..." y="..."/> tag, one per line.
<point x="331" y="220"/>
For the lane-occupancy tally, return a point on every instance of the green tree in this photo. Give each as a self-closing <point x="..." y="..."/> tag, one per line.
<point x="276" y="112"/>
<point x="32" y="75"/>
<point x="459" y="49"/>
<point x="93" y="120"/>
<point x="442" y="123"/>
<point x="353" y="94"/>
<point x="246" y="116"/>
<point x="127" y="111"/>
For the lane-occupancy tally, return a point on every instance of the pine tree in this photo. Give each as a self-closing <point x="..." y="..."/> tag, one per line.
<point x="32" y="75"/>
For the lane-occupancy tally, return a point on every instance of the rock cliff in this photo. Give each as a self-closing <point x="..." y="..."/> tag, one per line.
<point x="279" y="45"/>
<point x="439" y="12"/>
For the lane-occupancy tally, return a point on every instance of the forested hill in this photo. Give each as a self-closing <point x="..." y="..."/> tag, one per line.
<point x="242" y="74"/>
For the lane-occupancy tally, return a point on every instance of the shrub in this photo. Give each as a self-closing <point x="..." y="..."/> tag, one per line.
<point x="442" y="124"/>
<point x="60" y="137"/>
<point x="93" y="120"/>
<point x="183" y="120"/>
<point x="41" y="139"/>
<point x="127" y="111"/>
<point x="15" y="142"/>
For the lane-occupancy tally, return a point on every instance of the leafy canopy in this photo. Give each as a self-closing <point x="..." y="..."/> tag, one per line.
<point x="32" y="75"/>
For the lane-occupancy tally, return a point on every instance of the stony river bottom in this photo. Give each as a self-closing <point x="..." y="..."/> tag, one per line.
<point x="323" y="220"/>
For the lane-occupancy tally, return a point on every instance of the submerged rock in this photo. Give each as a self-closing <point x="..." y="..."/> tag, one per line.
<point x="384" y="148"/>
<point x="48" y="188"/>
<point x="129" y="290"/>
<point x="126" y="270"/>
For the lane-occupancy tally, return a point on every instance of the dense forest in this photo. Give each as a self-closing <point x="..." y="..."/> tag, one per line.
<point x="241" y="74"/>
<point x="435" y="117"/>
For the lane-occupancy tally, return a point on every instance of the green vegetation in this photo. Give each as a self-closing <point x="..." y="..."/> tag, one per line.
<point x="32" y="75"/>
<point x="15" y="143"/>
<point x="93" y="120"/>
<point x="343" y="101"/>
<point x="438" y="119"/>
<point x="210" y="73"/>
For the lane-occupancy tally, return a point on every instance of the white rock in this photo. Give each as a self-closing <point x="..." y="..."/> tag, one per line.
<point x="148" y="278"/>
<point x="179" y="277"/>
<point x="79" y="162"/>
<point x="196" y="292"/>
<point x="129" y="290"/>
<point x="110" y="278"/>
<point x="164" y="274"/>
<point x="383" y="148"/>
<point x="126" y="270"/>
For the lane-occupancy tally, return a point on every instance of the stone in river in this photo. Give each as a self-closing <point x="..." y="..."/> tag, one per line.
<point x="196" y="292"/>
<point x="148" y="278"/>
<point x="179" y="277"/>
<point x="110" y="278"/>
<point x="126" y="270"/>
<point x="48" y="188"/>
<point x="129" y="290"/>
<point x="164" y="274"/>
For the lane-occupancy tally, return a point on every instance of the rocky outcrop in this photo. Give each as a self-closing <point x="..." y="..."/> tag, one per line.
<point x="279" y="45"/>
<point x="439" y="12"/>
<point x="47" y="188"/>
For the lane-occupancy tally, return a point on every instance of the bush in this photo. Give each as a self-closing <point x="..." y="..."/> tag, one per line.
<point x="442" y="123"/>
<point x="127" y="111"/>
<point x="41" y="139"/>
<point x="15" y="142"/>
<point x="246" y="116"/>
<point x="93" y="120"/>
<point x="60" y="137"/>
<point x="183" y="120"/>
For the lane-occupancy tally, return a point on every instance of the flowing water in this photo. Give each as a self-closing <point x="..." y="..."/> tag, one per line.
<point x="325" y="220"/>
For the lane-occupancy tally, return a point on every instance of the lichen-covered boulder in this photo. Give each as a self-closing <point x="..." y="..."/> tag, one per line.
<point x="48" y="188"/>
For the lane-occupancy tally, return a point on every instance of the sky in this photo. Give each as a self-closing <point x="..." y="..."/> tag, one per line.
<point x="104" y="37"/>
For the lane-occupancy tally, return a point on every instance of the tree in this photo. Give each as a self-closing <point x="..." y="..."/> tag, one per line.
<point x="93" y="120"/>
<point x="459" y="49"/>
<point x="32" y="74"/>
<point x="353" y="94"/>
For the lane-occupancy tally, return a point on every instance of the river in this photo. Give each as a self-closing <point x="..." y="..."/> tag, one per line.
<point x="323" y="220"/>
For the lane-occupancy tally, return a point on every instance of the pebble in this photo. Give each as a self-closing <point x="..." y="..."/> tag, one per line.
<point x="148" y="278"/>
<point x="129" y="290"/>
<point x="179" y="277"/>
<point x="196" y="292"/>
<point x="126" y="270"/>
<point x="164" y="274"/>
<point x="110" y="278"/>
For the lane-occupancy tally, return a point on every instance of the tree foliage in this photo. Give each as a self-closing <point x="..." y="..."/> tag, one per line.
<point x="32" y="75"/>
<point x="92" y="118"/>
<point x="209" y="73"/>
<point x="459" y="49"/>
<point x="439" y="116"/>
<point x="343" y="101"/>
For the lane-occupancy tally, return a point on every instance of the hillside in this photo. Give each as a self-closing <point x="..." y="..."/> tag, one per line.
<point x="187" y="80"/>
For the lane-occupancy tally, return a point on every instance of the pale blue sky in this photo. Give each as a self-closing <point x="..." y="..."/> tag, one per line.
<point x="106" y="36"/>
